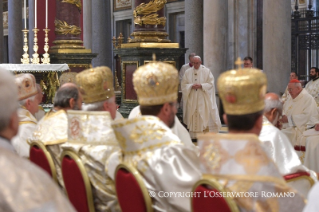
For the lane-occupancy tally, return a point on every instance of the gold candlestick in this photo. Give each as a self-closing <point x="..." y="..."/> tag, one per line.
<point x="25" y="57"/>
<point x="35" y="55"/>
<point x="46" y="56"/>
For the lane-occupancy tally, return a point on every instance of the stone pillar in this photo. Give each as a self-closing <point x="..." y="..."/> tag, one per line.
<point x="194" y="27"/>
<point x="1" y="33"/>
<point x="277" y="43"/>
<point x="102" y="33"/>
<point x="87" y="23"/>
<point x="31" y="26"/>
<point x="215" y="36"/>
<point x="15" y="35"/>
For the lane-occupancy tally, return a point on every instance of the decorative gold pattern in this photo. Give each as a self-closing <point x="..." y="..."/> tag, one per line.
<point x="26" y="85"/>
<point x="46" y="56"/>
<point x="149" y="12"/>
<point x="171" y="62"/>
<point x="96" y="84"/>
<point x="51" y="85"/>
<point x="63" y="28"/>
<point x="25" y="57"/>
<point x="77" y="3"/>
<point x="242" y="91"/>
<point x="156" y="83"/>
<point x="35" y="56"/>
<point x="67" y="77"/>
<point x="150" y="45"/>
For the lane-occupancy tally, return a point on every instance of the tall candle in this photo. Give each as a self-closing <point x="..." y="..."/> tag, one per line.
<point x="35" y="13"/>
<point x="46" y="14"/>
<point x="25" y="14"/>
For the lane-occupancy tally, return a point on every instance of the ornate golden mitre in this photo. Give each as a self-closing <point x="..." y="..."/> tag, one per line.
<point x="26" y="85"/>
<point x="156" y="83"/>
<point x="67" y="77"/>
<point x="242" y="91"/>
<point x="96" y="84"/>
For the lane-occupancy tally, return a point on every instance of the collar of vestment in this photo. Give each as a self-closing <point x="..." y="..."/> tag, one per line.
<point x="6" y="144"/>
<point x="25" y="116"/>
<point x="302" y="93"/>
<point x="266" y="121"/>
<point x="52" y="128"/>
<point x="141" y="134"/>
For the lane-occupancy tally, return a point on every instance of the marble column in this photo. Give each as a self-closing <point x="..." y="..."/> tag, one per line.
<point x="1" y="33"/>
<point x="102" y="33"/>
<point x="15" y="35"/>
<point x="277" y="43"/>
<point x="31" y="26"/>
<point x="215" y="36"/>
<point x="87" y="23"/>
<point x="194" y="27"/>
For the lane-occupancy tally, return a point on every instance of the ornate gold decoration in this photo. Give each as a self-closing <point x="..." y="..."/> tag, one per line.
<point x="63" y="28"/>
<point x="35" y="55"/>
<point x="149" y="12"/>
<point x="52" y="84"/>
<point x="67" y="77"/>
<point x="46" y="56"/>
<point x="96" y="84"/>
<point x="150" y="45"/>
<point x="117" y="84"/>
<point x="156" y="83"/>
<point x="242" y="91"/>
<point x="26" y="85"/>
<point x="117" y="42"/>
<point x="77" y="3"/>
<point x="25" y="57"/>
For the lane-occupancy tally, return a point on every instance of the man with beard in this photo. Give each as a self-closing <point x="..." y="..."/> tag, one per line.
<point x="52" y="129"/>
<point x="313" y="85"/>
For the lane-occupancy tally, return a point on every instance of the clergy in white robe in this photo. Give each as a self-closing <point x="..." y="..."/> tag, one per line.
<point x="313" y="85"/>
<point x="28" y="106"/>
<point x="286" y="94"/>
<point x="200" y="112"/>
<point x="298" y="111"/>
<point x="178" y="129"/>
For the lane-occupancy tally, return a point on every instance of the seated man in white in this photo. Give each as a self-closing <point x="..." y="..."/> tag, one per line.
<point x="279" y="148"/>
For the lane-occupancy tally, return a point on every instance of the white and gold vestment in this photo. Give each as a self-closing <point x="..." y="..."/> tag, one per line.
<point x="91" y="136"/>
<point x="52" y="131"/>
<point x="313" y="89"/>
<point x="240" y="164"/>
<point x="279" y="148"/>
<point x="164" y="162"/>
<point x="26" y="187"/>
<point x="300" y="111"/>
<point x="27" y="125"/>
<point x="200" y="112"/>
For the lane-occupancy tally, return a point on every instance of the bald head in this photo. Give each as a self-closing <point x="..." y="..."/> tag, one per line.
<point x="271" y="96"/>
<point x="69" y="84"/>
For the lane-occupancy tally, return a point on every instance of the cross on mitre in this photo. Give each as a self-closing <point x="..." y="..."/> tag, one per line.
<point x="238" y="63"/>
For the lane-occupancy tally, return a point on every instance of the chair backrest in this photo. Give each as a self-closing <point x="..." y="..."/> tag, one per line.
<point x="40" y="156"/>
<point x="208" y="197"/>
<point x="131" y="191"/>
<point x="76" y="182"/>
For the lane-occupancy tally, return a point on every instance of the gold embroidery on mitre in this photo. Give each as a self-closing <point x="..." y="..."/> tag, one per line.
<point x="96" y="84"/>
<point x="252" y="157"/>
<point x="26" y="85"/>
<point x="156" y="83"/>
<point x="242" y="91"/>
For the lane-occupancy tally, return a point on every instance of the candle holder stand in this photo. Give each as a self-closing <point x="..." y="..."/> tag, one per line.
<point x="35" y="55"/>
<point x="25" y="57"/>
<point x="46" y="55"/>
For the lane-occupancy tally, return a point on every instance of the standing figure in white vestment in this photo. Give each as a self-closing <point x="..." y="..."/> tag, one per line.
<point x="23" y="185"/>
<point x="200" y="112"/>
<point x="52" y="129"/>
<point x="313" y="85"/>
<point x="298" y="111"/>
<point x="99" y="142"/>
<point x="149" y="145"/>
<point x="39" y="115"/>
<point x="28" y="107"/>
<point x="312" y="148"/>
<point x="178" y="129"/>
<point x="279" y="148"/>
<point x="286" y="95"/>
<point x="237" y="159"/>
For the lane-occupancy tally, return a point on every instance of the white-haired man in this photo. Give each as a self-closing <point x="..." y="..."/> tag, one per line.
<point x="96" y="86"/>
<point x="200" y="112"/>
<point x="278" y="146"/>
<point x="298" y="111"/>
<point x="23" y="185"/>
<point x="28" y="107"/>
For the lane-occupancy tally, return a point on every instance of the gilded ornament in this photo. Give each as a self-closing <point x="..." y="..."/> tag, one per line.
<point x="63" y="28"/>
<point x="77" y="3"/>
<point x="147" y="13"/>
<point x="52" y="82"/>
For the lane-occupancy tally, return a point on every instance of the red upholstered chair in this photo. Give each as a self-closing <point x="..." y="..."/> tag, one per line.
<point x="76" y="182"/>
<point x="301" y="151"/>
<point x="301" y="181"/>
<point x="131" y="191"/>
<point x="40" y="156"/>
<point x="207" y="197"/>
